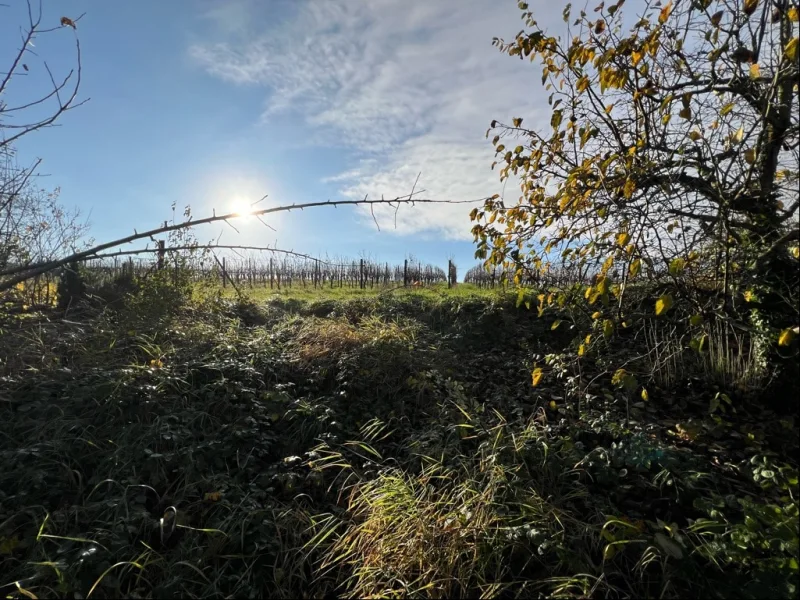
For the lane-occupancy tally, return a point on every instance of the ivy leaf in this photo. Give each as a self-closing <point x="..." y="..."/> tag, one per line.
<point x="663" y="304"/>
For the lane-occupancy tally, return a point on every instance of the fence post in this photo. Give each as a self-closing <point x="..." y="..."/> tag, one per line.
<point x="361" y="275"/>
<point x="160" y="254"/>
<point x="224" y="275"/>
<point x="449" y="273"/>
<point x="405" y="272"/>
<point x="270" y="273"/>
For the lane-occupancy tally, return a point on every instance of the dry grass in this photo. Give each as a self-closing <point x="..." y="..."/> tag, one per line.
<point x="320" y="340"/>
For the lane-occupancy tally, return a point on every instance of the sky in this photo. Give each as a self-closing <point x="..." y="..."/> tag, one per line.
<point x="215" y="103"/>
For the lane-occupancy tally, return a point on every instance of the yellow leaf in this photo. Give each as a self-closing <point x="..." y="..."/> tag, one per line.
<point x="737" y="137"/>
<point x="630" y="187"/>
<point x="750" y="6"/>
<point x="587" y="340"/>
<point x="623" y="239"/>
<point x="749" y="296"/>
<point x="213" y="496"/>
<point x="750" y="156"/>
<point x="665" y="12"/>
<point x="786" y="337"/>
<point x="755" y="71"/>
<point x="796" y="251"/>
<point x="553" y="405"/>
<point x="793" y="13"/>
<point x="536" y="376"/>
<point x="555" y="324"/>
<point x="597" y="315"/>
<point x="636" y="57"/>
<point x="608" y="328"/>
<point x="581" y="350"/>
<point x="635" y="267"/>
<point x="663" y="304"/>
<point x="645" y="395"/>
<point x="791" y="49"/>
<point x="695" y="135"/>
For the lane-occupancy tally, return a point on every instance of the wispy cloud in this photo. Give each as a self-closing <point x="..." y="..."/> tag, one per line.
<point x="409" y="86"/>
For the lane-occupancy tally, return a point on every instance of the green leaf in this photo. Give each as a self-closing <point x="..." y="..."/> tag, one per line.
<point x="555" y="324"/>
<point x="608" y="328"/>
<point x="668" y="546"/>
<point x="676" y="266"/>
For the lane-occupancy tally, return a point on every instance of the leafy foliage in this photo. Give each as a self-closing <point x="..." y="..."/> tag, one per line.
<point x="670" y="163"/>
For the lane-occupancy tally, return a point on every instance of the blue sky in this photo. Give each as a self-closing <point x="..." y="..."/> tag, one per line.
<point x="216" y="102"/>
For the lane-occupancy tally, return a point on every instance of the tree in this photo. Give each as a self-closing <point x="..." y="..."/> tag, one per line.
<point x="33" y="224"/>
<point x="671" y="157"/>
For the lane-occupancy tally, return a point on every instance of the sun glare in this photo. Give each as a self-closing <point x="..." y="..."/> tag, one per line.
<point x="242" y="208"/>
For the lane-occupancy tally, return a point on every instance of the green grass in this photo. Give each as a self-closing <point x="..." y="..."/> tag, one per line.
<point x="310" y="293"/>
<point x="358" y="444"/>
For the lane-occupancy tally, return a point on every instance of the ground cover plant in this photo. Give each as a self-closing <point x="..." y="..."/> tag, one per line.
<point x="378" y="446"/>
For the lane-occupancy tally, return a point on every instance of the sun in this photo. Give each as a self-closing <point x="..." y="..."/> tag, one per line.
<point x="242" y="208"/>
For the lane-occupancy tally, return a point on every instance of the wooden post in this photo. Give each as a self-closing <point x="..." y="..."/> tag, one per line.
<point x="224" y="274"/>
<point x="449" y="271"/>
<point x="361" y="275"/>
<point x="270" y="272"/>
<point x="405" y="272"/>
<point x="160" y="254"/>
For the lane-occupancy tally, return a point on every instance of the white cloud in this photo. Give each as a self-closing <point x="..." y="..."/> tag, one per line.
<point x="411" y="86"/>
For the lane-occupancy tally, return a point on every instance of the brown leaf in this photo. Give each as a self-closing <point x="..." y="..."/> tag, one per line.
<point x="67" y="22"/>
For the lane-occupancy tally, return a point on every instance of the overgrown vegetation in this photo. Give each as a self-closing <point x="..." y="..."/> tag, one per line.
<point x="376" y="447"/>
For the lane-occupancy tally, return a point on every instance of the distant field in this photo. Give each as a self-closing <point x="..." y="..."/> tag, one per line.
<point x="310" y="293"/>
